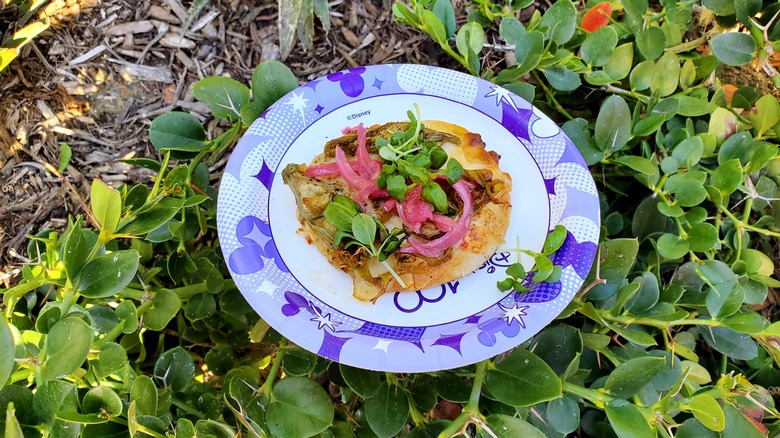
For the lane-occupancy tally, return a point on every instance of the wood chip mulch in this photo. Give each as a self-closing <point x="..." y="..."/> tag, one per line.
<point x="105" y="69"/>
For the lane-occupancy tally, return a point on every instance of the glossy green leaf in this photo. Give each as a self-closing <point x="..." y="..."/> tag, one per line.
<point x="505" y="426"/>
<point x="647" y="296"/>
<point x="7" y="351"/>
<point x="733" y="48"/>
<point x="111" y="358"/>
<point x="434" y="27"/>
<point x="470" y="38"/>
<point x="693" y="107"/>
<point x="522" y="379"/>
<point x="651" y="42"/>
<point x="177" y="131"/>
<point x="108" y="274"/>
<point x="387" y="411"/>
<point x="300" y="407"/>
<point x="727" y="177"/>
<point x="719" y="7"/>
<point x="106" y="205"/>
<point x="102" y="400"/>
<point x="632" y="375"/>
<point x="617" y="258"/>
<point x="642" y="75"/>
<point x="563" y="414"/>
<point x="529" y="52"/>
<point x="619" y="66"/>
<point x="561" y="20"/>
<point x="365" y="383"/>
<point x="76" y="249"/>
<point x="200" y="306"/>
<point x="12" y="427"/>
<point x="667" y="74"/>
<point x="703" y="237"/>
<point x="722" y="284"/>
<point x="561" y="78"/>
<point x="708" y="411"/>
<point x="165" y="305"/>
<point x="647" y="126"/>
<point x="221" y="359"/>
<point x="67" y="346"/>
<point x="671" y="246"/>
<point x="55" y="396"/>
<point x="689" y="193"/>
<point x="154" y="218"/>
<point x="212" y="428"/>
<point x="688" y="152"/>
<point x="765" y="115"/>
<point x="126" y="311"/>
<point x="224" y="96"/>
<point x="144" y="393"/>
<point x="737" y="346"/>
<point x="744" y="322"/>
<point x="558" y="345"/>
<point x="444" y="10"/>
<point x="299" y="362"/>
<point x="65" y="155"/>
<point x="613" y="125"/>
<point x="627" y="421"/>
<point x="174" y="369"/>
<point x="736" y="146"/>
<point x="512" y="30"/>
<point x="598" y="47"/>
<point x="639" y="164"/>
<point x="452" y="388"/>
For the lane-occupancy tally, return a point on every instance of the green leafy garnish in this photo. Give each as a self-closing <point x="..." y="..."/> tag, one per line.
<point x="411" y="161"/>
<point x="543" y="271"/>
<point x="357" y="229"/>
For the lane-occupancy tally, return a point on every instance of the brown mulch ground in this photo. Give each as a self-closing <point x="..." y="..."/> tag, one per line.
<point x="105" y="69"/>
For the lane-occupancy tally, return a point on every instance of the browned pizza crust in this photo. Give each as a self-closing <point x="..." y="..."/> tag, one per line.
<point x="492" y="210"/>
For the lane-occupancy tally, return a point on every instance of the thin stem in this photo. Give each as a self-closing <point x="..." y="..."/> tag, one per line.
<point x="111" y="335"/>
<point x="479" y="379"/>
<point x="158" y="179"/>
<point x="551" y="96"/>
<point x="471" y="409"/>
<point x="277" y="364"/>
<point x="596" y="397"/>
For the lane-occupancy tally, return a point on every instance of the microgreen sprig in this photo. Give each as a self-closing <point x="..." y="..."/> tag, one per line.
<point x="411" y="161"/>
<point x="544" y="270"/>
<point x="355" y="228"/>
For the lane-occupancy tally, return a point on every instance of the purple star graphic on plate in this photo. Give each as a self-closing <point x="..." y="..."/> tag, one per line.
<point x="452" y="341"/>
<point x="549" y="184"/>
<point x="378" y="83"/>
<point x="350" y="81"/>
<point x="265" y="176"/>
<point x="473" y="319"/>
<point x="516" y="121"/>
<point x="319" y="109"/>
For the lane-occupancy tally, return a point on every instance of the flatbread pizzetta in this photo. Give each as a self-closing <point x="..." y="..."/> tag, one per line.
<point x="403" y="206"/>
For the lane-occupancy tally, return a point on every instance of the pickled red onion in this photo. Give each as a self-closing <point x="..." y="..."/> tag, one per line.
<point x="435" y="248"/>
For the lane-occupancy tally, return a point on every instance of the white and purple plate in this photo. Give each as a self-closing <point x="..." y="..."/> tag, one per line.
<point x="293" y="287"/>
